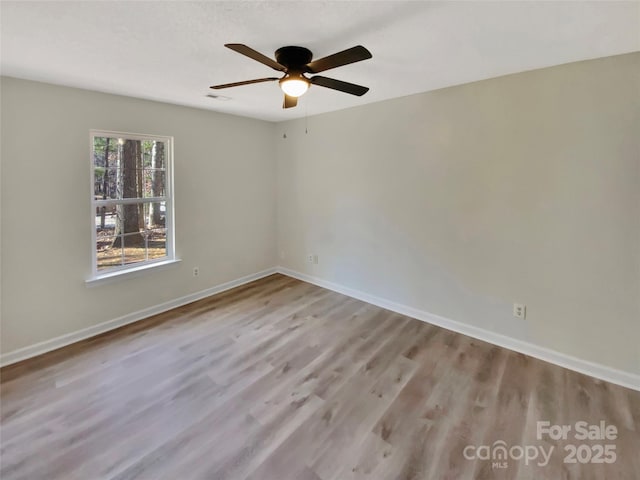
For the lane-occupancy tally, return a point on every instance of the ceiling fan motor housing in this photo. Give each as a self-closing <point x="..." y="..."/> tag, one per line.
<point x="294" y="58"/>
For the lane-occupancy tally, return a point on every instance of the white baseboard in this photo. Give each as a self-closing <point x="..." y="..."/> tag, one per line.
<point x="69" y="338"/>
<point x="619" y="377"/>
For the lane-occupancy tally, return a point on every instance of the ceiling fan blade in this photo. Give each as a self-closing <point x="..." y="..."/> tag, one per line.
<point x="289" y="101"/>
<point x="345" y="87"/>
<point x="246" y="82"/>
<point x="350" y="55"/>
<point x="251" y="53"/>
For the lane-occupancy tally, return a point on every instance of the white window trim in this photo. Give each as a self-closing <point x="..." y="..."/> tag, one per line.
<point x="134" y="269"/>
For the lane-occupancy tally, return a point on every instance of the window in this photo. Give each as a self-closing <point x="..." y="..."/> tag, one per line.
<point x="132" y="203"/>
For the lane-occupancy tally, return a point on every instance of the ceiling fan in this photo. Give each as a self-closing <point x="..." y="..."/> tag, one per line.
<point x="295" y="62"/>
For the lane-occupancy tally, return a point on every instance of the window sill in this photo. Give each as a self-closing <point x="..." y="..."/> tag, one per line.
<point x="129" y="272"/>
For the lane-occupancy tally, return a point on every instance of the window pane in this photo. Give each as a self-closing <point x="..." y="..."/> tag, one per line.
<point x="130" y="218"/>
<point x="157" y="242"/>
<point x="104" y="149"/>
<point x="105" y="220"/>
<point x="130" y="183"/>
<point x="105" y="182"/>
<point x="107" y="254"/>
<point x="154" y="215"/>
<point x="131" y="240"/>
<point x="99" y="182"/>
<point x="116" y="219"/>
<point x="154" y="183"/>
<point x="157" y="155"/>
<point x="135" y="247"/>
<point x="105" y="157"/>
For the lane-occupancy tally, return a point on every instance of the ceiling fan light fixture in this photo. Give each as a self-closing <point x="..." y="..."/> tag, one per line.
<point x="294" y="62"/>
<point x="294" y="85"/>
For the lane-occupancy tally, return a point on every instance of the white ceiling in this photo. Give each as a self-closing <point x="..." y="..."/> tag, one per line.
<point x="172" y="51"/>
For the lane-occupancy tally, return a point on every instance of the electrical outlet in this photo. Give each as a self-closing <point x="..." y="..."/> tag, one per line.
<point x="519" y="310"/>
<point x="196" y="271"/>
<point x="312" y="258"/>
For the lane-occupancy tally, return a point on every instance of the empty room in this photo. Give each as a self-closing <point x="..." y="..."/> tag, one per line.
<point x="320" y="240"/>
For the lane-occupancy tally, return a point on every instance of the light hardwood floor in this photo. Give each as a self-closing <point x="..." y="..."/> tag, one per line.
<point x="279" y="379"/>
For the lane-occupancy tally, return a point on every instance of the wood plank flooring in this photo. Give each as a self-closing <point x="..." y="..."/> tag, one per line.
<point x="280" y="379"/>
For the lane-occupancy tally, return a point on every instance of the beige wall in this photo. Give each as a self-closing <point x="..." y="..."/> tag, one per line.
<point x="459" y="202"/>
<point x="225" y="206"/>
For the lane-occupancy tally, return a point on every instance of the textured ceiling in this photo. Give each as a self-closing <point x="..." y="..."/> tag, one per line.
<point x="172" y="51"/>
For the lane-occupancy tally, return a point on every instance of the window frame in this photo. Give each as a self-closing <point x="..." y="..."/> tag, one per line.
<point x="116" y="271"/>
